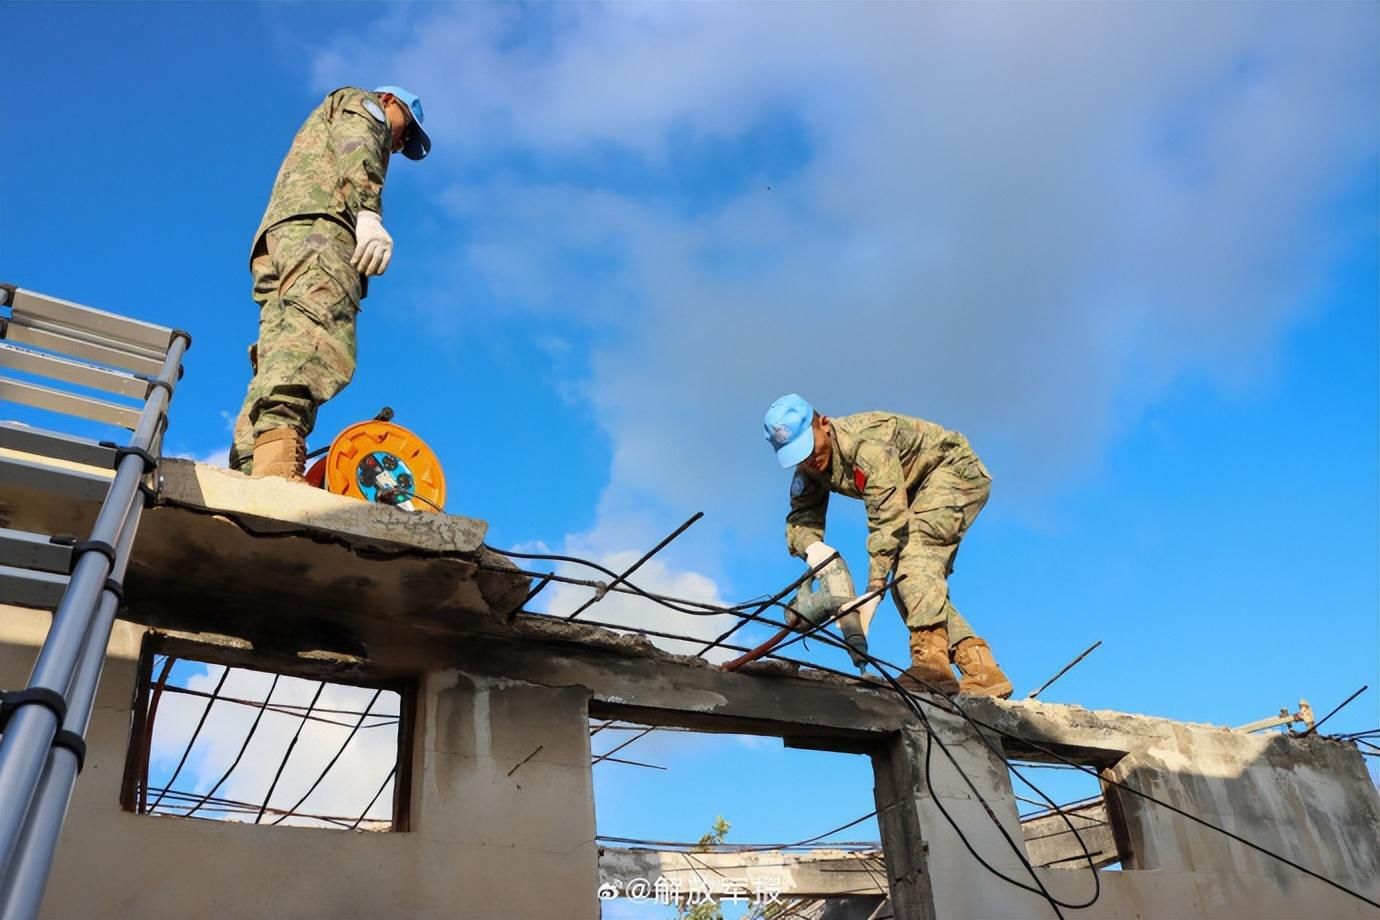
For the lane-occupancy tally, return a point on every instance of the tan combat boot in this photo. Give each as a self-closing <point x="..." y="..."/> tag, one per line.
<point x="929" y="662"/>
<point x="280" y="452"/>
<point x="981" y="676"/>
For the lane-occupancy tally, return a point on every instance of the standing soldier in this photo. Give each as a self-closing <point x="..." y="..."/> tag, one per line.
<point x="922" y="486"/>
<point x="320" y="239"/>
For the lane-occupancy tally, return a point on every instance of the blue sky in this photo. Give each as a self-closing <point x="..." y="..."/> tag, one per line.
<point x="1129" y="250"/>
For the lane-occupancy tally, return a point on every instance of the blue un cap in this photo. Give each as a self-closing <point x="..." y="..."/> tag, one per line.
<point x="789" y="429"/>
<point x="418" y="141"/>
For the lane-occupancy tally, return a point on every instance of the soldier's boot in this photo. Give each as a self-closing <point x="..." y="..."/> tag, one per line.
<point x="980" y="674"/>
<point x="929" y="662"/>
<point x="280" y="452"/>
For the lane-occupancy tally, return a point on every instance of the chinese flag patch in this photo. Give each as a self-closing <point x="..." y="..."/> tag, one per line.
<point x="859" y="478"/>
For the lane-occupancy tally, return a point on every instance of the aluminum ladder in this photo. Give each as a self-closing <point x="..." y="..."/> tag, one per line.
<point x="42" y="746"/>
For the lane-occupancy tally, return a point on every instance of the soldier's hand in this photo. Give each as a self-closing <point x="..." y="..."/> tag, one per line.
<point x="817" y="552"/>
<point x="373" y="245"/>
<point x="866" y="611"/>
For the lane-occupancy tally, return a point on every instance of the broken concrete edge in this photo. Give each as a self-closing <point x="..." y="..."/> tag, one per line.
<point x="542" y="627"/>
<point x="1025" y="714"/>
<point x="272" y="507"/>
<point x="1062" y="727"/>
<point x="1052" y="722"/>
<point x="378" y="531"/>
<point x="236" y="652"/>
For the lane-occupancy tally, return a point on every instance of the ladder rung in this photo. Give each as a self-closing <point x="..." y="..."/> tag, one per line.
<point x="81" y="348"/>
<point x="34" y="551"/>
<point x="27" y="588"/>
<point x="27" y="305"/>
<point x="41" y="397"/>
<point x="29" y="440"/>
<point x="65" y="369"/>
<point x="91" y="338"/>
<point x="79" y="484"/>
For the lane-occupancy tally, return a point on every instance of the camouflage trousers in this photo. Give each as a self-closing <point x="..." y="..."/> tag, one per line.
<point x="308" y="295"/>
<point x="941" y="512"/>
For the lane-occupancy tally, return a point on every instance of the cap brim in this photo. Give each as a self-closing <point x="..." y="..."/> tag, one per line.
<point x="792" y="453"/>
<point x="418" y="143"/>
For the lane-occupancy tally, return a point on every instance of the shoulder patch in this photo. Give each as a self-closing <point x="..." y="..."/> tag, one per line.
<point x="859" y="478"/>
<point x="798" y="484"/>
<point x="373" y="109"/>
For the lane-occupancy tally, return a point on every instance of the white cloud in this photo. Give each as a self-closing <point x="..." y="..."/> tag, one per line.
<point x="215" y="457"/>
<point x="346" y="788"/>
<point x="1020" y="220"/>
<point x="620" y="609"/>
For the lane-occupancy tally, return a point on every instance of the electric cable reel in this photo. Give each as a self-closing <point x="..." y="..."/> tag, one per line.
<point x="381" y="462"/>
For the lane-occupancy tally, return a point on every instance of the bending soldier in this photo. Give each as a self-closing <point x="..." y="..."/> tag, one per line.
<point x="318" y="242"/>
<point x="922" y="486"/>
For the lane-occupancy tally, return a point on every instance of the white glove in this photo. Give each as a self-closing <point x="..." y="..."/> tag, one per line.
<point x="817" y="552"/>
<point x="866" y="610"/>
<point x="373" y="246"/>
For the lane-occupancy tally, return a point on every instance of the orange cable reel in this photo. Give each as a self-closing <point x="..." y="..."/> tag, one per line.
<point x="381" y="462"/>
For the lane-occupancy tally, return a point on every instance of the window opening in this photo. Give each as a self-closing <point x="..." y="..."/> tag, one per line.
<point x="724" y="845"/>
<point x="1078" y="800"/>
<point x="217" y="741"/>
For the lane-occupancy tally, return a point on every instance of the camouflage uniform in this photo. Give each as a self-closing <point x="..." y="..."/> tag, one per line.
<point x="922" y="486"/>
<point x="307" y="291"/>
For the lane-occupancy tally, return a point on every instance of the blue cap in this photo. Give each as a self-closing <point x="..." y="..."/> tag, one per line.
<point x="418" y="142"/>
<point x="789" y="429"/>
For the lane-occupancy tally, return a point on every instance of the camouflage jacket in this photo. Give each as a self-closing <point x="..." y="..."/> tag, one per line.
<point x="336" y="165"/>
<point x="883" y="459"/>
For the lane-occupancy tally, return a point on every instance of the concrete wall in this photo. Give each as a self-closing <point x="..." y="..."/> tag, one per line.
<point x="483" y="844"/>
<point x="489" y="841"/>
<point x="1308" y="799"/>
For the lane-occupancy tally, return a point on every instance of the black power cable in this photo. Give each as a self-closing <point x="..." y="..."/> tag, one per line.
<point x="327" y="769"/>
<point x="953" y="707"/>
<point x="704" y="609"/>
<point x="291" y="744"/>
<point x="914" y="704"/>
<point x="757" y="614"/>
<point x="243" y="747"/>
<point x="391" y="773"/>
<point x="932" y="738"/>
<point x="182" y="761"/>
<point x="978" y="723"/>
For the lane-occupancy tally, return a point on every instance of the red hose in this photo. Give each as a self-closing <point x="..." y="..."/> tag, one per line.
<point x="756" y="653"/>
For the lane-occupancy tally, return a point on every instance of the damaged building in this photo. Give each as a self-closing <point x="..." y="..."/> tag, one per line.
<point x="491" y="807"/>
